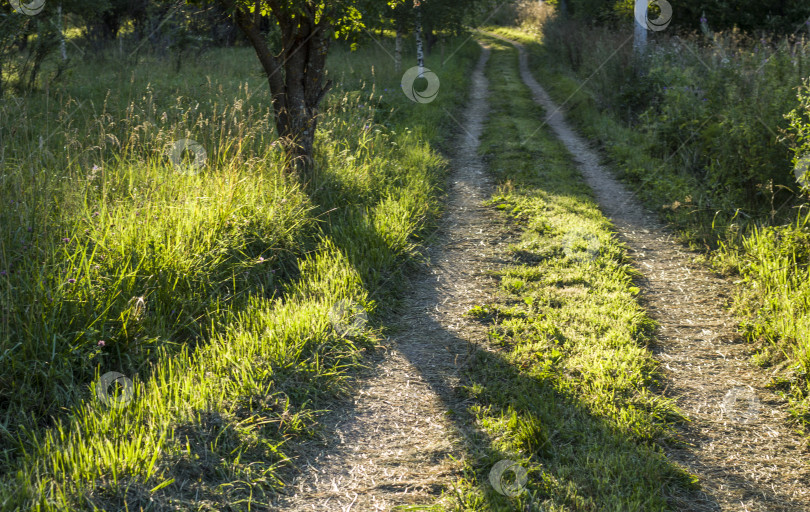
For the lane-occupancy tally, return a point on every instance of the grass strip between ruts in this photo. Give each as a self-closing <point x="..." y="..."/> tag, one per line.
<point x="571" y="394"/>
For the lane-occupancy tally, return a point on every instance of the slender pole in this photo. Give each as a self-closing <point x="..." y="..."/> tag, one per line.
<point x="640" y="33"/>
<point x="398" y="48"/>
<point x="420" y="55"/>
<point x="62" y="47"/>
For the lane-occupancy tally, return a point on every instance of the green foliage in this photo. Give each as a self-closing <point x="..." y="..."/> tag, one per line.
<point x="799" y="130"/>
<point x="36" y="36"/>
<point x="340" y="19"/>
<point x="784" y="17"/>
<point x="693" y="124"/>
<point x="438" y="16"/>
<point x="212" y="291"/>
<point x="773" y="302"/>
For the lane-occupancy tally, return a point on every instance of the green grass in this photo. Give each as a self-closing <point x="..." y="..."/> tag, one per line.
<point x="211" y="291"/>
<point x="742" y="208"/>
<point x="572" y="393"/>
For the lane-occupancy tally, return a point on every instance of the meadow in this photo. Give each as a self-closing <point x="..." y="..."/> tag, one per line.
<point x="206" y="279"/>
<point x="178" y="313"/>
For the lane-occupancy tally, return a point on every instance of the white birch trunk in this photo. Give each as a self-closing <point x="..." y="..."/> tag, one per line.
<point x="640" y="34"/>
<point x="420" y="55"/>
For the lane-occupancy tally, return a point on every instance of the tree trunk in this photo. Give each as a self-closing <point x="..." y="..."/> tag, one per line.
<point x="22" y="42"/>
<point x="430" y="39"/>
<point x="398" y="49"/>
<point x="420" y="55"/>
<point x="62" y="48"/>
<point x="640" y="34"/>
<point x="441" y="46"/>
<point x="296" y="80"/>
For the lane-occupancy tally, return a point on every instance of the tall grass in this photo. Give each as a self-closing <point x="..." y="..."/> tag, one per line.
<point x="210" y="289"/>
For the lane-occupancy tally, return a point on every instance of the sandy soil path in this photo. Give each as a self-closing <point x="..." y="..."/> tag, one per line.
<point x="393" y="445"/>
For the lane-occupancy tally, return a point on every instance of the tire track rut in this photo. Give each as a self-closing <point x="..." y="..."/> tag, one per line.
<point x="395" y="444"/>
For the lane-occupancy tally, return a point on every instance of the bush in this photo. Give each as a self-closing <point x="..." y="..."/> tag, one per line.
<point x="710" y="107"/>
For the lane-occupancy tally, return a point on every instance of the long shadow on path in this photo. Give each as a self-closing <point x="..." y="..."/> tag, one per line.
<point x="407" y="433"/>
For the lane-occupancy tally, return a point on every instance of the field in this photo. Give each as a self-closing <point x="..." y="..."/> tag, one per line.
<point x="210" y="287"/>
<point x="461" y="304"/>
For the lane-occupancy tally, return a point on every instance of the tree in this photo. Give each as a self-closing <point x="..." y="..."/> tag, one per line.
<point x="445" y="17"/>
<point x="296" y="71"/>
<point x="782" y="16"/>
<point x="29" y="33"/>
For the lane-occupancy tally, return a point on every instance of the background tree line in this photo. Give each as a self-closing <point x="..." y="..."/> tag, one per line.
<point x="291" y="40"/>
<point x="780" y="16"/>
